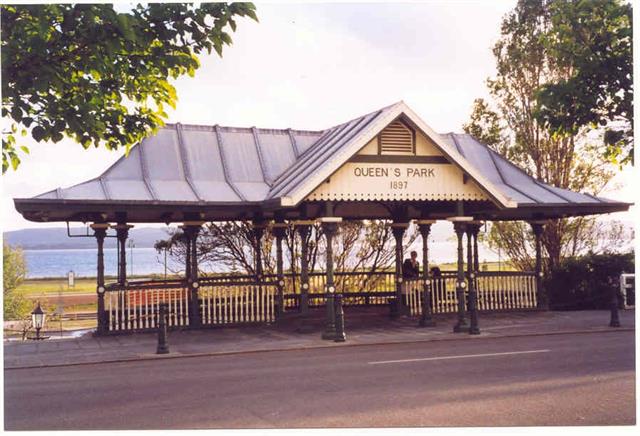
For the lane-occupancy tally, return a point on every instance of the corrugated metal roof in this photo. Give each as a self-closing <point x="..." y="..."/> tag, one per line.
<point x="216" y="164"/>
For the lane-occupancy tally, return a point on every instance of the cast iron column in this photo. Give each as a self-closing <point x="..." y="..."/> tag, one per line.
<point x="279" y="230"/>
<point x="258" y="232"/>
<point x="426" y="320"/>
<point x="303" y="230"/>
<point x="187" y="260"/>
<point x="461" y="325"/>
<point x="473" y="296"/>
<point x="191" y="230"/>
<point x="398" y="230"/>
<point x="476" y="262"/>
<point x="541" y="295"/>
<point x="329" y="229"/>
<point x="100" y="232"/>
<point x="122" y="232"/>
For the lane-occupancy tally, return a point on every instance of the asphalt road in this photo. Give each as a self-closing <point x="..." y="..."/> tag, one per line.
<point x="577" y="379"/>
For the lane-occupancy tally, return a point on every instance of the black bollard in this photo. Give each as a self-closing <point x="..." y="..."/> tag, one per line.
<point x="426" y="320"/>
<point x="163" y="344"/>
<point x="615" y="316"/>
<point x="340" y="335"/>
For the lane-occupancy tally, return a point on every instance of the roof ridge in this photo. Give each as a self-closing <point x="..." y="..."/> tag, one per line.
<point x="248" y="129"/>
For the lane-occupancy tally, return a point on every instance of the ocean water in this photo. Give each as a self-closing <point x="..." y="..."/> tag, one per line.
<point x="83" y="262"/>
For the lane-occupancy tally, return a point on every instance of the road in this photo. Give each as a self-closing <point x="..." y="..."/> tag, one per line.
<point x="572" y="379"/>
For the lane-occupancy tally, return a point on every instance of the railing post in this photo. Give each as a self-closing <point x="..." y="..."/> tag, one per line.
<point x="426" y="319"/>
<point x="100" y="232"/>
<point x="329" y="228"/>
<point x="472" y="229"/>
<point x="542" y="299"/>
<point x="398" y="308"/>
<point x="279" y="230"/>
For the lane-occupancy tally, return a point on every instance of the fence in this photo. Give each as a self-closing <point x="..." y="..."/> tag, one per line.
<point x="496" y="291"/>
<point x="239" y="302"/>
<point x="136" y="306"/>
<point x="240" y="299"/>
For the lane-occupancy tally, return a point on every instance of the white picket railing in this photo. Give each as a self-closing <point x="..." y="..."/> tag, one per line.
<point x="138" y="308"/>
<point x="496" y="291"/>
<point x="238" y="303"/>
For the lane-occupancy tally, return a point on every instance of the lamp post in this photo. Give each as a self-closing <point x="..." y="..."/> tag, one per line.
<point x="37" y="319"/>
<point x="131" y="246"/>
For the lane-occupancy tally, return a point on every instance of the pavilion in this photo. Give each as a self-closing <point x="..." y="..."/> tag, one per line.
<point x="385" y="165"/>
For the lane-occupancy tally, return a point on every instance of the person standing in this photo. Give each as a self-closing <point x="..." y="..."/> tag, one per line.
<point x="410" y="271"/>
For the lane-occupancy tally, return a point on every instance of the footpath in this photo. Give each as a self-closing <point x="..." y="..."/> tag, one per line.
<point x="363" y="327"/>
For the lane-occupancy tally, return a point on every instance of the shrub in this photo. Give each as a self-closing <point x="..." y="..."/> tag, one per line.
<point x="586" y="282"/>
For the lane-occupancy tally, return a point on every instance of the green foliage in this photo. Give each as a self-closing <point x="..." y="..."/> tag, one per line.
<point x="99" y="76"/>
<point x="592" y="38"/>
<point x="14" y="272"/>
<point x="587" y="282"/>
<point x="486" y="126"/>
<point x="508" y="124"/>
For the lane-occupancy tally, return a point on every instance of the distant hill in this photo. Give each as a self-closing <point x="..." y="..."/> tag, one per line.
<point x="56" y="238"/>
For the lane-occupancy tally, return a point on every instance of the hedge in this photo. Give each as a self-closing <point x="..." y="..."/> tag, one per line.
<point x="586" y="282"/>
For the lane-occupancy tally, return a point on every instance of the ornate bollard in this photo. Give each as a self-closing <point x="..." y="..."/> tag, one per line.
<point x="163" y="345"/>
<point x="340" y="335"/>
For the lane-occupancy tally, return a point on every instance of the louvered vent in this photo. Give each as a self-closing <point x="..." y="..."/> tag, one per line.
<point x="396" y="138"/>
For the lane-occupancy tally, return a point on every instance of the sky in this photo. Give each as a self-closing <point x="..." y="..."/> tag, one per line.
<point x="311" y="66"/>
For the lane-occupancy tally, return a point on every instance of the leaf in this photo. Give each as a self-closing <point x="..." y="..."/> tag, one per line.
<point x="38" y="133"/>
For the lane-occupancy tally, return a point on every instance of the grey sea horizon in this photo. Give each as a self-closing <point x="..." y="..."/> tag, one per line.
<point x="146" y="261"/>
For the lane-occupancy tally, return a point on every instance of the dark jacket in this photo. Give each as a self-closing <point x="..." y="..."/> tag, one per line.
<point x="409" y="271"/>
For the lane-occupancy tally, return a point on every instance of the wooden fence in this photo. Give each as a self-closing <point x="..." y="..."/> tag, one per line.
<point x="237" y="303"/>
<point x="227" y="300"/>
<point x="497" y="291"/>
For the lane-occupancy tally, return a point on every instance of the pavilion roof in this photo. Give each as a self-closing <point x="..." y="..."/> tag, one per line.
<point x="197" y="165"/>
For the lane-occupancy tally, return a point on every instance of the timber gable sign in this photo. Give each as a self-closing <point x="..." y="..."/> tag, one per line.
<point x="375" y="174"/>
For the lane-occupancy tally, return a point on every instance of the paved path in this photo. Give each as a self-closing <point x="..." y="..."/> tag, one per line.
<point x="561" y="379"/>
<point x="362" y="326"/>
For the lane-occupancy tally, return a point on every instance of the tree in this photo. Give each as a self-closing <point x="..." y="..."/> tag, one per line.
<point x="509" y="125"/>
<point x="14" y="272"/>
<point x="99" y="76"/>
<point x="360" y="245"/>
<point x="594" y="39"/>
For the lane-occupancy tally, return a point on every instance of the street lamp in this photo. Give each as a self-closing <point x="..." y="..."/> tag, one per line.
<point x="131" y="245"/>
<point x="37" y="319"/>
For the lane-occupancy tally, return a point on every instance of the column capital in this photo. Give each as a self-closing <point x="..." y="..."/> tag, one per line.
<point x="302" y="223"/>
<point x="424" y="228"/>
<point x="96" y="226"/>
<point x="425" y="222"/>
<point x="259" y="224"/>
<point x="330" y="219"/>
<point x="122" y="226"/>
<point x="537" y="227"/>
<point x="395" y="225"/>
<point x="191" y="224"/>
<point x="459" y="227"/>
<point x="279" y="229"/>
